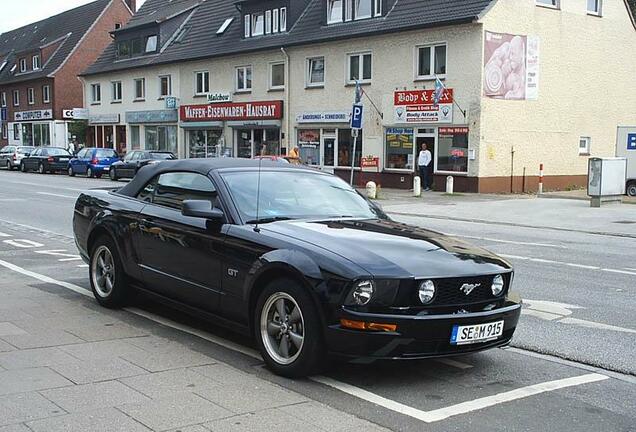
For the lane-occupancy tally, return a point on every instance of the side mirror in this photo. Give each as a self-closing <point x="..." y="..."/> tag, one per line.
<point x="202" y="209"/>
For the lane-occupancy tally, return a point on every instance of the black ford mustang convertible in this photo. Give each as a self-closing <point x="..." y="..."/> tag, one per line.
<point x="295" y="258"/>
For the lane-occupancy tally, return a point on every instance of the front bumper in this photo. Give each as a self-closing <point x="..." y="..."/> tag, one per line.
<point x="418" y="336"/>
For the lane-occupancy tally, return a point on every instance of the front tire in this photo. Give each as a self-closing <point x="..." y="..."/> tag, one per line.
<point x="113" y="175"/>
<point x="288" y="329"/>
<point x="631" y="189"/>
<point x="23" y="167"/>
<point x="106" y="274"/>
<point x="89" y="172"/>
<point x="41" y="169"/>
<point x="71" y="173"/>
<point x="9" y="166"/>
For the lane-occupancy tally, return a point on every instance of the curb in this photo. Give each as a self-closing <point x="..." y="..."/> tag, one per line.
<point x="488" y="222"/>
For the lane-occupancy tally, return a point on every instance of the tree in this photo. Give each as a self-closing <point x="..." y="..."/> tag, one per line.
<point x="77" y="129"/>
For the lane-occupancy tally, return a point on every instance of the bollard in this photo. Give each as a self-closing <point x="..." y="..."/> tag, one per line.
<point x="417" y="187"/>
<point x="449" y="184"/>
<point x="372" y="190"/>
<point x="540" y="179"/>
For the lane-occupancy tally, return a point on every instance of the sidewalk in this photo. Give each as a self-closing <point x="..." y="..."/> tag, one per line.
<point x="67" y="365"/>
<point x="561" y="213"/>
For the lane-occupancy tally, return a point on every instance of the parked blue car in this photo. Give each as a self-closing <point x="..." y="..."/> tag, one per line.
<point x="92" y="161"/>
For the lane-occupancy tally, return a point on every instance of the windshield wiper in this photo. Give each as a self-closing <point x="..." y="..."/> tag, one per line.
<point x="269" y="219"/>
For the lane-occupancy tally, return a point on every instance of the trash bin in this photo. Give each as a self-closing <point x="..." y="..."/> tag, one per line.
<point x="606" y="180"/>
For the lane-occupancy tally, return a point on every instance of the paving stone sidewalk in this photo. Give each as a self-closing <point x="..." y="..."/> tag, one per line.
<point x="68" y="365"/>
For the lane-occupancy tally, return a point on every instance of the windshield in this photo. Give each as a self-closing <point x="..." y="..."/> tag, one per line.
<point x="57" y="152"/>
<point x="105" y="153"/>
<point x="297" y="195"/>
<point x="162" y="156"/>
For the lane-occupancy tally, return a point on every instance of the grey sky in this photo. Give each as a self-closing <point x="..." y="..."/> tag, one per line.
<point x="16" y="13"/>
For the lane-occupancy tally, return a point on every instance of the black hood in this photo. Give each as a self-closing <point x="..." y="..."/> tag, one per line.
<point x="386" y="248"/>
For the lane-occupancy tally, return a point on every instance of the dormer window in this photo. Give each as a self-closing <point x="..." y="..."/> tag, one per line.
<point x="36" y="62"/>
<point x="137" y="46"/>
<point x="348" y="10"/>
<point x="23" y="65"/>
<point x="151" y="43"/>
<point x="264" y="23"/>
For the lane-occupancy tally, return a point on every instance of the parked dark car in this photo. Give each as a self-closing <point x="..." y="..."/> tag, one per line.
<point x="92" y="161"/>
<point x="46" y="159"/>
<point x="310" y="268"/>
<point x="10" y="156"/>
<point x="136" y="159"/>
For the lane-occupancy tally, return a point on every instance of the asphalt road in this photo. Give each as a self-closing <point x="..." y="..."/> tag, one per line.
<point x="573" y="368"/>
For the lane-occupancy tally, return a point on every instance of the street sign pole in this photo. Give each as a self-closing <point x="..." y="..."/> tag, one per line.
<point x="356" y="125"/>
<point x="355" y="133"/>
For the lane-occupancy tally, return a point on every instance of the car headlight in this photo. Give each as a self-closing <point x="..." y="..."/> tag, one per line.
<point x="426" y="291"/>
<point x="362" y="292"/>
<point x="497" y="285"/>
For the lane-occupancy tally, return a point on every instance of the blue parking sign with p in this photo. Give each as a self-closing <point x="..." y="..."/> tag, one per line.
<point x="631" y="141"/>
<point x="356" y="117"/>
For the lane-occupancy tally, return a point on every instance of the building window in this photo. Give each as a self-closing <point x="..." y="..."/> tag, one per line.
<point x="348" y="10"/>
<point x="243" y="78"/>
<point x="46" y="94"/>
<point x="345" y="148"/>
<point x="334" y="11"/>
<point x="584" y="146"/>
<point x="277" y="76"/>
<point x="16" y="131"/>
<point x="116" y="91"/>
<point x="594" y="7"/>
<point x="165" y="86"/>
<point x="268" y="22"/>
<point x="452" y="150"/>
<point x="96" y="93"/>
<point x="16" y="97"/>
<point x="378" y="8"/>
<point x="258" y="24"/>
<point x="134" y="137"/>
<point x="162" y="138"/>
<point x="124" y="49"/>
<point x="360" y="66"/>
<point x="283" y="19"/>
<point x="364" y="9"/>
<point x="36" y="62"/>
<point x="548" y="3"/>
<point x="275" y="21"/>
<point x="31" y="96"/>
<point x="399" y="148"/>
<point x="248" y="20"/>
<point x="316" y="72"/>
<point x="431" y="61"/>
<point x="151" y="43"/>
<point x="5" y="131"/>
<point x="3" y="99"/>
<point x="23" y="65"/>
<point x="117" y="26"/>
<point x="140" y="89"/>
<point x="202" y="83"/>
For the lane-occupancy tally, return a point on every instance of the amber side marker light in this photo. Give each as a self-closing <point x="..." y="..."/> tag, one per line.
<point x="362" y="325"/>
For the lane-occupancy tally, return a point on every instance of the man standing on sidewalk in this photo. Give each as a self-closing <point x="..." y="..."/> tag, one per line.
<point x="423" y="162"/>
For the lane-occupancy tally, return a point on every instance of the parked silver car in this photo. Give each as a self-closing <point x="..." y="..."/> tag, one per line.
<point x="10" y="156"/>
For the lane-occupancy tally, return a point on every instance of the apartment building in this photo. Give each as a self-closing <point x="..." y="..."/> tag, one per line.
<point x="217" y="78"/>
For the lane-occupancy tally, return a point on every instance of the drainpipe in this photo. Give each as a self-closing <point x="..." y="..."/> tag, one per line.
<point x="287" y="90"/>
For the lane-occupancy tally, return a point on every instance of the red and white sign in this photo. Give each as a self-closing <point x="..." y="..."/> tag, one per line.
<point x="262" y="110"/>
<point x="370" y="162"/>
<point x="452" y="130"/>
<point x="418" y="106"/>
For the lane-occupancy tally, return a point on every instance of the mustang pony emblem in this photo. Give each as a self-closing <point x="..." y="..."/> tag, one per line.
<point x="468" y="288"/>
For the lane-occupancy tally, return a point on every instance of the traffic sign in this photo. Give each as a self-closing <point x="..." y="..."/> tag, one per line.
<point x="631" y="141"/>
<point x="356" y="116"/>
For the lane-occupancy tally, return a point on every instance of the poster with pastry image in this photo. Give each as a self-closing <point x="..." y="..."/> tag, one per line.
<point x="511" y="66"/>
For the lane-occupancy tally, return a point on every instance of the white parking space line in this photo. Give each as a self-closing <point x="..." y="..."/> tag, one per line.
<point x="464" y="407"/>
<point x="548" y="245"/>
<point x="547" y="261"/>
<point x="60" y="253"/>
<point x="83" y="265"/>
<point x="5" y="235"/>
<point x="23" y="243"/>
<point x="57" y="195"/>
<point x="454" y="363"/>
<point x="46" y="279"/>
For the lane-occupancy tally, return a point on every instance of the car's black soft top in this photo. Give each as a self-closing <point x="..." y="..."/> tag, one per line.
<point x="200" y="166"/>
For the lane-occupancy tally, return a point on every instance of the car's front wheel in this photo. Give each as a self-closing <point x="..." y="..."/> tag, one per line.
<point x="90" y="173"/>
<point x="41" y="169"/>
<point x="113" y="175"/>
<point x="71" y="172"/>
<point x="288" y="329"/>
<point x="9" y="166"/>
<point x="106" y="272"/>
<point x="23" y="167"/>
<point x="631" y="189"/>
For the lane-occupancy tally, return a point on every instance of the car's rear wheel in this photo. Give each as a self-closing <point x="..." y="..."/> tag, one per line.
<point x="90" y="173"/>
<point x="9" y="166"/>
<point x="631" y="189"/>
<point x="23" y="167"/>
<point x="288" y="329"/>
<point x="112" y="174"/>
<point x="41" y="169"/>
<point x="106" y="272"/>
<point x="71" y="173"/>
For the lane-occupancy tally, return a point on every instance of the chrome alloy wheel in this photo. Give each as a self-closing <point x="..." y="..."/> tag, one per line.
<point x="282" y="328"/>
<point x="103" y="271"/>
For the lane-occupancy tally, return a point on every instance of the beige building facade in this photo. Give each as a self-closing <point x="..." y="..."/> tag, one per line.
<point x="529" y="82"/>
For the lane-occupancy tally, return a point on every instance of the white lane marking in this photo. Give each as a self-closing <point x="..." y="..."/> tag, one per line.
<point x="627" y="268"/>
<point x="31" y="227"/>
<point x="12" y="199"/>
<point x="5" y="235"/>
<point x="464" y="407"/>
<point x="549" y="245"/>
<point x="56" y="195"/>
<point x="546" y="261"/>
<point x="454" y="363"/>
<point x="560" y="312"/>
<point x="46" y="279"/>
<point x="23" y="243"/>
<point x="83" y="265"/>
<point x="60" y="253"/>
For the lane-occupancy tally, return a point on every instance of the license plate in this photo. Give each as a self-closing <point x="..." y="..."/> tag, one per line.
<point x="463" y="335"/>
<point x="63" y="159"/>
<point x="106" y="168"/>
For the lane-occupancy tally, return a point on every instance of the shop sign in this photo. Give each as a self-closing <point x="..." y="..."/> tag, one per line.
<point x="324" y="117"/>
<point x="309" y="137"/>
<point x="400" y="138"/>
<point x="219" y="97"/>
<point x="171" y="102"/>
<point x="370" y="162"/>
<point x="265" y="110"/>
<point x="103" y="119"/>
<point x="80" y="113"/>
<point x="156" y="116"/>
<point x="34" y="115"/>
<point x="418" y="106"/>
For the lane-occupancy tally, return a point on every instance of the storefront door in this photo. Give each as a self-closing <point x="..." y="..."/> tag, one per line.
<point x="204" y="143"/>
<point x="428" y="137"/>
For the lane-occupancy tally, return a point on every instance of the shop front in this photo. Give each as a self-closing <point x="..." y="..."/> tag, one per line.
<point x="420" y="119"/>
<point x="153" y="130"/>
<point x="32" y="128"/>
<point x="254" y="127"/>
<point x="324" y="140"/>
<point x="104" y="131"/>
